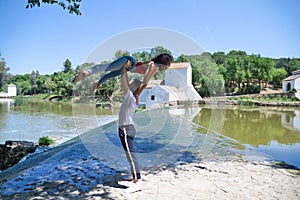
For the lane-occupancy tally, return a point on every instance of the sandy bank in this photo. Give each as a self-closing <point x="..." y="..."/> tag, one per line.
<point x="74" y="174"/>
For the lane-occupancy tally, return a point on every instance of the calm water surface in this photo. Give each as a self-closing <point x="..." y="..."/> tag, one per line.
<point x="59" y="121"/>
<point x="274" y="132"/>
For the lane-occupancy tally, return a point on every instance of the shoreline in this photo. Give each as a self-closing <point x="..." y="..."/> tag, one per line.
<point x="248" y="103"/>
<point x="80" y="177"/>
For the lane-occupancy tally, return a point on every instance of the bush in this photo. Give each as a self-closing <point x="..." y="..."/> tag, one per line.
<point x="293" y="91"/>
<point x="245" y="102"/>
<point x="45" y="140"/>
<point x="19" y="100"/>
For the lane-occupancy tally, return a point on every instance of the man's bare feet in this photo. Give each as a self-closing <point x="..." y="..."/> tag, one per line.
<point x="134" y="187"/>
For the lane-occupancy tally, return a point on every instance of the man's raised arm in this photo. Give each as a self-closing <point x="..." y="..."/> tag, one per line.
<point x="124" y="80"/>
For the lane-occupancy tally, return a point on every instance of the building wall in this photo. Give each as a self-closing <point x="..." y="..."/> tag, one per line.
<point x="178" y="87"/>
<point x="284" y="85"/>
<point x="12" y="90"/>
<point x="143" y="95"/>
<point x="178" y="77"/>
<point x="297" y="87"/>
<point x="294" y="84"/>
<point x="157" y="96"/>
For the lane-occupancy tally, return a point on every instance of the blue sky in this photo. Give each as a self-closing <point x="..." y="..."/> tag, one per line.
<point x="43" y="38"/>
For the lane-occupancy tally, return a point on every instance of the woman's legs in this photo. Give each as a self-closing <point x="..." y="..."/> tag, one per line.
<point x="113" y="66"/>
<point x="119" y="63"/>
<point x="109" y="75"/>
<point x="98" y="68"/>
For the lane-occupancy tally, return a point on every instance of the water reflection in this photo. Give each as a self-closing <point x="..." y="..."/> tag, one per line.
<point x="261" y="129"/>
<point x="255" y="127"/>
<point x="291" y="120"/>
<point x="8" y="102"/>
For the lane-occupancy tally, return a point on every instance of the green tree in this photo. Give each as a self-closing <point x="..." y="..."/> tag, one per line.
<point x="42" y="84"/>
<point x="231" y="68"/>
<point x="3" y="73"/>
<point x="67" y="66"/>
<point x="142" y="56"/>
<point x="248" y="73"/>
<point x="71" y="5"/>
<point x="262" y="69"/>
<point x="23" y="83"/>
<point x="294" y="64"/>
<point x="205" y="75"/>
<point x="219" y="58"/>
<point x="283" y="63"/>
<point x="50" y="85"/>
<point x="24" y="87"/>
<point x="159" y="50"/>
<point x="182" y="58"/>
<point x="105" y="92"/>
<point x="120" y="53"/>
<point x="222" y="71"/>
<point x="235" y="64"/>
<point x="33" y="78"/>
<point x="266" y="65"/>
<point x="63" y="83"/>
<point x="277" y="75"/>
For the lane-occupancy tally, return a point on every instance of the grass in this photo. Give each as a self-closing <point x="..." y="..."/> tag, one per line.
<point x="20" y="100"/>
<point x="40" y="98"/>
<point x="45" y="141"/>
<point x="270" y="98"/>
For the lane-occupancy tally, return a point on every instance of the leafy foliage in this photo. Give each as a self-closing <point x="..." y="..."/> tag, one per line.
<point x="277" y="75"/>
<point x="3" y="73"/>
<point x="45" y="140"/>
<point x="67" y="66"/>
<point x="212" y="74"/>
<point x="205" y="75"/>
<point x="71" y="5"/>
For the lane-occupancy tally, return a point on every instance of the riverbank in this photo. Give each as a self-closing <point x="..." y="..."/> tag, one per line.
<point x="268" y="97"/>
<point x="73" y="173"/>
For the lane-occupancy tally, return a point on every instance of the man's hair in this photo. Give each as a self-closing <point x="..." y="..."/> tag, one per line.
<point x="134" y="85"/>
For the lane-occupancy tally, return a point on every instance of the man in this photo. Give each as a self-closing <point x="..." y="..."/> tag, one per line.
<point x="126" y="128"/>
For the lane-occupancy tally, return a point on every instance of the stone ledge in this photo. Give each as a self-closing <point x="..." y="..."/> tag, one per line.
<point x="13" y="151"/>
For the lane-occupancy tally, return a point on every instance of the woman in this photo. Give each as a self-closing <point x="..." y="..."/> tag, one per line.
<point x="113" y="69"/>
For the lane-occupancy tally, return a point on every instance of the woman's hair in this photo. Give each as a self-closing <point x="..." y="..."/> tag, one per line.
<point x="163" y="59"/>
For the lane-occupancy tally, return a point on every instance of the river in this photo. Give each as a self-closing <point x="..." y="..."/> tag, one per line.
<point x="272" y="132"/>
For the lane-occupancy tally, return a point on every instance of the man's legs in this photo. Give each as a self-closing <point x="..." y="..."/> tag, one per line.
<point x="126" y="135"/>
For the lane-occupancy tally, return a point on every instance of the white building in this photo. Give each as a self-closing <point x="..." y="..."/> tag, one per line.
<point x="12" y="90"/>
<point x="177" y="87"/>
<point x="292" y="82"/>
